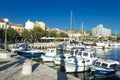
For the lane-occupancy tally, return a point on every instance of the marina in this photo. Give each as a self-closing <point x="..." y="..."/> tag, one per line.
<point x="111" y="53"/>
<point x="60" y="40"/>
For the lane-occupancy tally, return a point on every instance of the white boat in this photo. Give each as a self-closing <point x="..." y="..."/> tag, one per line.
<point x="102" y="45"/>
<point x="46" y="58"/>
<point x="87" y="54"/>
<point x="80" y="62"/>
<point x="51" y="52"/>
<point x="104" y="67"/>
<point x="21" y="47"/>
<point x="61" y="58"/>
<point x="49" y="55"/>
<point x="76" y="65"/>
<point x="64" y="56"/>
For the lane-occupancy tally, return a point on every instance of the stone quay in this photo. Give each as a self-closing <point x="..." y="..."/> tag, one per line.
<point x="20" y="68"/>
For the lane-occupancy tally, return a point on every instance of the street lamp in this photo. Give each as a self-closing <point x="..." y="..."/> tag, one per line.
<point x="6" y="20"/>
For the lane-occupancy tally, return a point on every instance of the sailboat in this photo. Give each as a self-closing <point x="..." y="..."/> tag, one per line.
<point x="72" y="42"/>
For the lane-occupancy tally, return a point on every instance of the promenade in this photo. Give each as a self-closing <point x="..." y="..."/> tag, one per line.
<point x="11" y="69"/>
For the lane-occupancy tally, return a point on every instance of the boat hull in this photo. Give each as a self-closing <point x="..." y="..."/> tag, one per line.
<point x="73" y="68"/>
<point x="102" y="73"/>
<point x="30" y="54"/>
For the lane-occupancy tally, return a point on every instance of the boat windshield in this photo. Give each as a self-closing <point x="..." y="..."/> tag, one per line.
<point x="98" y="63"/>
<point x="93" y="55"/>
<point x="104" y="65"/>
<point x="80" y="53"/>
<point x="113" y="65"/>
<point x="85" y="54"/>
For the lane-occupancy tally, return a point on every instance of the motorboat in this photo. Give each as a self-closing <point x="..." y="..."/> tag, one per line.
<point x="87" y="54"/>
<point x="50" y="54"/>
<point x="31" y="53"/>
<point x="20" y="47"/>
<point x="59" y="58"/>
<point x="80" y="62"/>
<point x="76" y="65"/>
<point x="104" y="67"/>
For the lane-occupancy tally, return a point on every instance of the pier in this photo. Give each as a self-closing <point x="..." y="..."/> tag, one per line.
<point x="12" y="69"/>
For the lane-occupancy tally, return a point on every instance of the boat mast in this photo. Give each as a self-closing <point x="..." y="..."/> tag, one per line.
<point x="71" y="25"/>
<point x="82" y="32"/>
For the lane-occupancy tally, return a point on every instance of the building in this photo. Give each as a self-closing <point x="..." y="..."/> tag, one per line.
<point x="40" y="24"/>
<point x="17" y="27"/>
<point x="99" y="30"/>
<point x="29" y="25"/>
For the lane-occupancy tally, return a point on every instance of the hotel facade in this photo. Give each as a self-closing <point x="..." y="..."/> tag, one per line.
<point x="29" y="25"/>
<point x="99" y="30"/>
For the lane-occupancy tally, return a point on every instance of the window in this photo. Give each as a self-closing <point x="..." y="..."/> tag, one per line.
<point x="98" y="63"/>
<point x="113" y="65"/>
<point x="85" y="54"/>
<point x="80" y="53"/>
<point x="91" y="55"/>
<point x="104" y="65"/>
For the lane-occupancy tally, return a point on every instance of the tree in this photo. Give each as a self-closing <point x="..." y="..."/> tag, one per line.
<point x="62" y="34"/>
<point x="11" y="34"/>
<point x="37" y="33"/>
<point x="2" y="34"/>
<point x="52" y="34"/>
<point x="26" y="35"/>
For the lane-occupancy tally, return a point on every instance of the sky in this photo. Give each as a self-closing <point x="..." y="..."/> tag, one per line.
<point x="56" y="13"/>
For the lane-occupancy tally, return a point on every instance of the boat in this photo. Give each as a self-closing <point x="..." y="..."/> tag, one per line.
<point x="80" y="62"/>
<point x="87" y="54"/>
<point x="59" y="58"/>
<point x="70" y="52"/>
<point x="31" y="53"/>
<point x="104" y="67"/>
<point x="21" y="47"/>
<point x="51" y="52"/>
<point x="49" y="55"/>
<point x="76" y="65"/>
<point x="46" y="58"/>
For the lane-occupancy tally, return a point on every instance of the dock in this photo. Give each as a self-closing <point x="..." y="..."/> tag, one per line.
<point x="11" y="69"/>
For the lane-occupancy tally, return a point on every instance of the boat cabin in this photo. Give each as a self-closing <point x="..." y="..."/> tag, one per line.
<point x="107" y="63"/>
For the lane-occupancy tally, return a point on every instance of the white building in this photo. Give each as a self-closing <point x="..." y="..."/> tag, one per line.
<point x="29" y="25"/>
<point x="99" y="30"/>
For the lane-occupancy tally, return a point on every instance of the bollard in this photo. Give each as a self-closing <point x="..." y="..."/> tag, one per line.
<point x="27" y="68"/>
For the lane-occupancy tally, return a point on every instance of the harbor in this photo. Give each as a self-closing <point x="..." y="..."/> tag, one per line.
<point x="12" y="67"/>
<point x="59" y="40"/>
